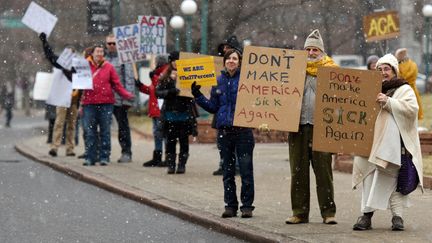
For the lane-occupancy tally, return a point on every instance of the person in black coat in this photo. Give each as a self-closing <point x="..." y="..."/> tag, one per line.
<point x="178" y="115"/>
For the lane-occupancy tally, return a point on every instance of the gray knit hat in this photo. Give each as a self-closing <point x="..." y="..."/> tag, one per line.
<point x="315" y="40"/>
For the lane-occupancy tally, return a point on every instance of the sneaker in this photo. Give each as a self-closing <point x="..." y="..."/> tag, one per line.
<point x="104" y="163"/>
<point x="125" y="158"/>
<point x="246" y="213"/>
<point x="397" y="223"/>
<point x="53" y="152"/>
<point x="229" y="213"/>
<point x="297" y="220"/>
<point x="88" y="163"/>
<point x="363" y="223"/>
<point x="329" y="220"/>
<point x="72" y="154"/>
<point x="218" y="172"/>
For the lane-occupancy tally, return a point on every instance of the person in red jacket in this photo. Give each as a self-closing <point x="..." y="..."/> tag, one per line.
<point x="154" y="111"/>
<point x="98" y="107"/>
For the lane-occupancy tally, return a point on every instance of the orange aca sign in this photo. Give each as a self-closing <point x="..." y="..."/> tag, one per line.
<point x="381" y="26"/>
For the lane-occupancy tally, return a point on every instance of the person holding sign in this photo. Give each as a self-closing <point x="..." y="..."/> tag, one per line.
<point x="395" y="151"/>
<point x="64" y="115"/>
<point x="233" y="142"/>
<point x="121" y="106"/>
<point x="178" y="117"/>
<point x="98" y="107"/>
<point x="300" y="146"/>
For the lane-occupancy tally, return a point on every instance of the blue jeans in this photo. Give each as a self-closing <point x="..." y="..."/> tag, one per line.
<point x="124" y="134"/>
<point x="237" y="142"/>
<point x="97" y="116"/>
<point x="158" y="133"/>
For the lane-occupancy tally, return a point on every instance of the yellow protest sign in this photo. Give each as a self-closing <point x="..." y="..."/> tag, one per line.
<point x="201" y="70"/>
<point x="381" y="26"/>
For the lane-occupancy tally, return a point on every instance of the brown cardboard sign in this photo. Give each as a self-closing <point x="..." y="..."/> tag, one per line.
<point x="218" y="63"/>
<point x="345" y="110"/>
<point x="381" y="26"/>
<point x="270" y="89"/>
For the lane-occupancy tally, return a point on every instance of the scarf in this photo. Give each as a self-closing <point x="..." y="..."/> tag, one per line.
<point x="98" y="65"/>
<point x="312" y="66"/>
<point x="389" y="87"/>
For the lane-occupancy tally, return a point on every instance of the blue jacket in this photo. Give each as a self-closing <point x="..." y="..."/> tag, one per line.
<point x="223" y="99"/>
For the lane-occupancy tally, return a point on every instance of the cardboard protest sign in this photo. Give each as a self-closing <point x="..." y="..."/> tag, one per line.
<point x="271" y="88"/>
<point x="218" y="65"/>
<point x="65" y="58"/>
<point x="345" y="110"/>
<point x="39" y="19"/>
<point x="200" y="70"/>
<point x="83" y="78"/>
<point x="152" y="34"/>
<point x="42" y="85"/>
<point x="61" y="90"/>
<point x="128" y="43"/>
<point x="381" y="26"/>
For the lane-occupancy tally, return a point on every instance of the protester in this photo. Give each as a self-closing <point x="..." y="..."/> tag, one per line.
<point x="230" y="43"/>
<point x="234" y="142"/>
<point x="300" y="146"/>
<point x="121" y="106"/>
<point x="64" y="115"/>
<point x="98" y="107"/>
<point x="8" y="100"/>
<point x="371" y="62"/>
<point x="395" y="142"/>
<point x="154" y="111"/>
<point x="178" y="117"/>
<point x="408" y="71"/>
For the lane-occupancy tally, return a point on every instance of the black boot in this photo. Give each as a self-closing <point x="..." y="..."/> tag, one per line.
<point x="155" y="161"/>
<point x="163" y="163"/>
<point x="181" y="169"/>
<point x="171" y="162"/>
<point x="364" y="222"/>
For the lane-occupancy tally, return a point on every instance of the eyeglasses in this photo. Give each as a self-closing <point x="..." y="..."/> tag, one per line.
<point x="111" y="43"/>
<point x="384" y="69"/>
<point x="312" y="49"/>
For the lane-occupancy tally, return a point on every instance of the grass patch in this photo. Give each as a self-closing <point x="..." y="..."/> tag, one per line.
<point x="141" y="122"/>
<point x="427" y="114"/>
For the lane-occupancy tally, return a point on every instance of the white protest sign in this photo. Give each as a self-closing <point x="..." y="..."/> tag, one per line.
<point x="39" y="19"/>
<point x="61" y="90"/>
<point x="128" y="43"/>
<point x="42" y="86"/>
<point x="152" y="34"/>
<point x="65" y="58"/>
<point x="83" y="78"/>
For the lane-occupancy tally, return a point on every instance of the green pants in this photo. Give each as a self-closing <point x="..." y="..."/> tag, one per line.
<point x="300" y="156"/>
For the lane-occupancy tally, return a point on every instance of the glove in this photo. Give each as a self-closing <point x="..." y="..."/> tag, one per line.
<point x="195" y="89"/>
<point x="138" y="83"/>
<point x="43" y="37"/>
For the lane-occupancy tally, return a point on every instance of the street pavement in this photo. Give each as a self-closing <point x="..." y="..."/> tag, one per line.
<point x="197" y="195"/>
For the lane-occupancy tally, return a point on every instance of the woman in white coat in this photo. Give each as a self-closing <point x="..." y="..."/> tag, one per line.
<point x="395" y="136"/>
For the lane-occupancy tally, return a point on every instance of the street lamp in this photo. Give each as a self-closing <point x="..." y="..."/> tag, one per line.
<point x="188" y="8"/>
<point x="177" y="23"/>
<point x="427" y="13"/>
<point x="204" y="23"/>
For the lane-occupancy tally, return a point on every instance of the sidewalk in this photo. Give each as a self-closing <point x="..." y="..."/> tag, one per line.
<point x="197" y="196"/>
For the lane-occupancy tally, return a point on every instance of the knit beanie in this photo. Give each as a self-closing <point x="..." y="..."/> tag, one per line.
<point x="401" y="54"/>
<point x="390" y="60"/>
<point x="315" y="40"/>
<point x="173" y="56"/>
<point x="371" y="59"/>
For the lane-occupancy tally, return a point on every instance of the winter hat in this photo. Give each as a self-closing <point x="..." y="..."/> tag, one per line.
<point x="401" y="54"/>
<point x="315" y="40"/>
<point x="390" y="60"/>
<point x="173" y="56"/>
<point x="371" y="59"/>
<point x="232" y="42"/>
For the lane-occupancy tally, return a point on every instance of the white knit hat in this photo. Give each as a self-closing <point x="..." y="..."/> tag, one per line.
<point x="315" y="40"/>
<point x="390" y="60"/>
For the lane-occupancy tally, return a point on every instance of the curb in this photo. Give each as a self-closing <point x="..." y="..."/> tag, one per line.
<point x="203" y="218"/>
